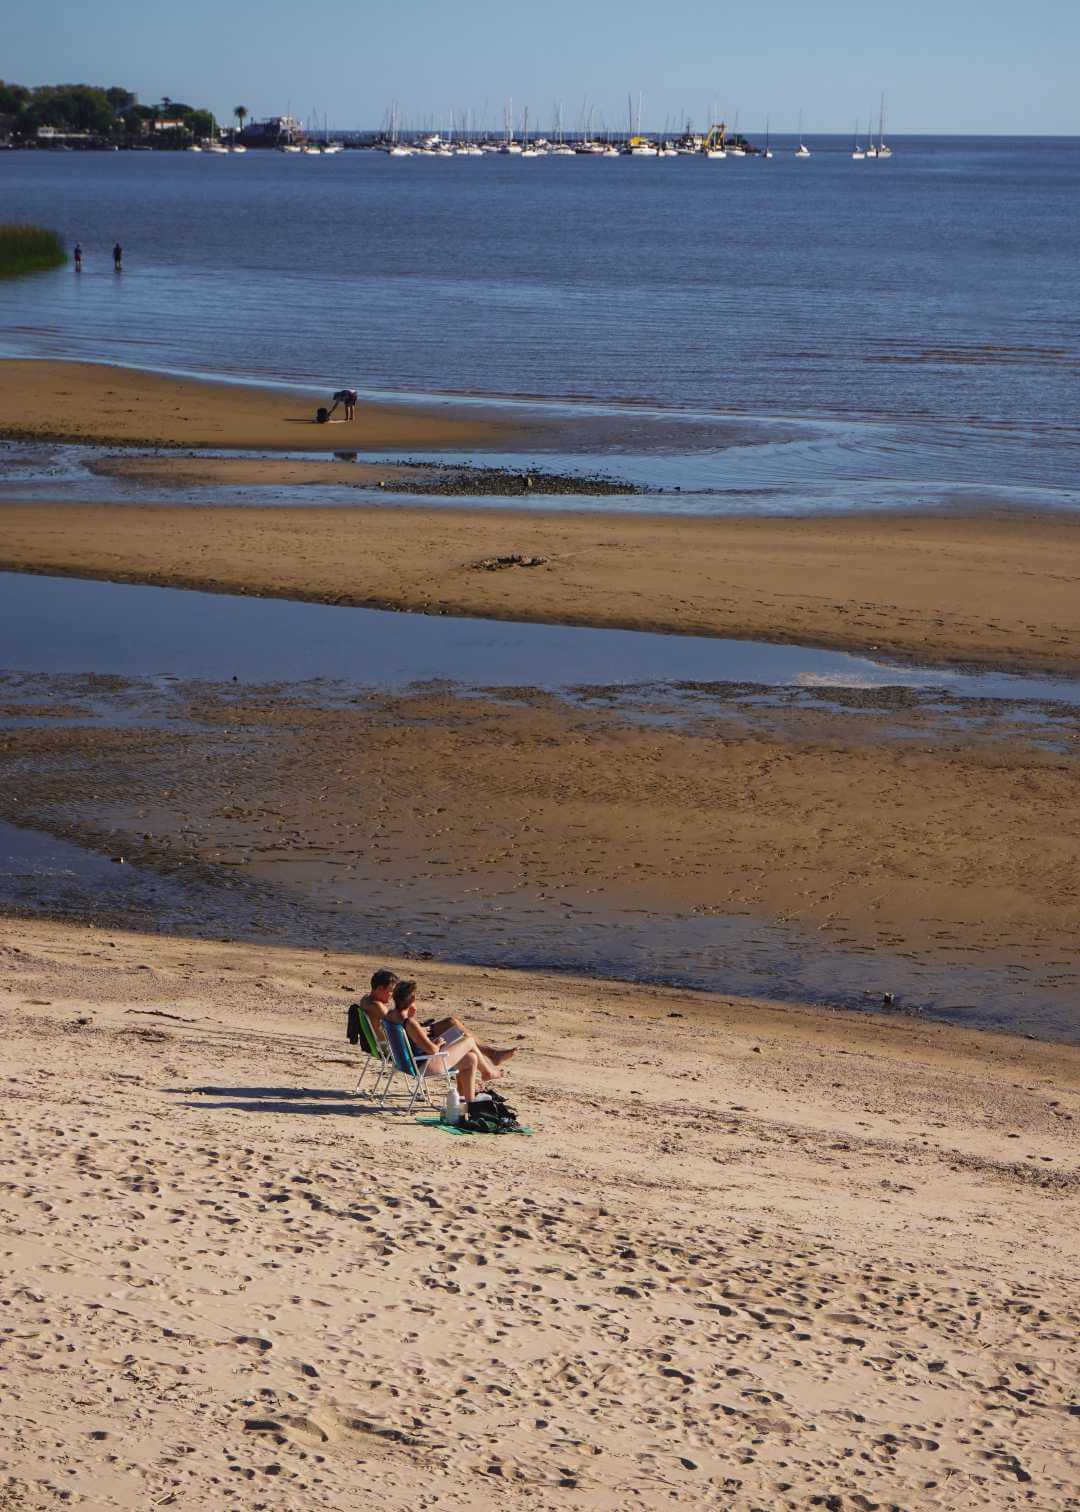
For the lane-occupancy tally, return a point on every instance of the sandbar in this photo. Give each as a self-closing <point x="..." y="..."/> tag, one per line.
<point x="980" y="590"/>
<point x="85" y="402"/>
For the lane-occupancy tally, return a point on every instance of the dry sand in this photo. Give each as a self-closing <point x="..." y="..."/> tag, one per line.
<point x="750" y="1259"/>
<point x="1003" y="591"/>
<point x="91" y="402"/>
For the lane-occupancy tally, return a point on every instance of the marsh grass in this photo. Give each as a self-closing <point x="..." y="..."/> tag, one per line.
<point x="29" y="249"/>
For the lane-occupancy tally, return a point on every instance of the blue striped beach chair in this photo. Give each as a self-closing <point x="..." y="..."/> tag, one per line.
<point x="405" y="1062"/>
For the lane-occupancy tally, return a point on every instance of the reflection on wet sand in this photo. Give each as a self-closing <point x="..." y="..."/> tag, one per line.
<point x="809" y="844"/>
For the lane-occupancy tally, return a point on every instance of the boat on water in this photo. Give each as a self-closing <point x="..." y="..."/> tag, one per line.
<point x="714" y="142"/>
<point x="527" y="148"/>
<point x="292" y="148"/>
<point x="871" y="150"/>
<point x="218" y="149"/>
<point x="802" y="150"/>
<point x="560" y="147"/>
<point x="882" y="150"/>
<point x="856" y="151"/>
<point x="766" y="151"/>
<point x="238" y="147"/>
<point x="194" y="148"/>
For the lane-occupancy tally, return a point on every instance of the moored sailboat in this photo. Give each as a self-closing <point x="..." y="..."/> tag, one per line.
<point x="802" y="150"/>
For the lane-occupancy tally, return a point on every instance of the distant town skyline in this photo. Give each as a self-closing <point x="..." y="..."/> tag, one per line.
<point x="962" y="66"/>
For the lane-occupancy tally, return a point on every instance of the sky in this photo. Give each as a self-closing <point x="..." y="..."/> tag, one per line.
<point x="977" y="66"/>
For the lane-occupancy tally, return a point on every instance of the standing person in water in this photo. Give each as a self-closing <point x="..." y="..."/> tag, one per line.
<point x="118" y="257"/>
<point x="78" y="257"/>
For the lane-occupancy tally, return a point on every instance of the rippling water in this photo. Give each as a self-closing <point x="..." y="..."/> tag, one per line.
<point x="916" y="319"/>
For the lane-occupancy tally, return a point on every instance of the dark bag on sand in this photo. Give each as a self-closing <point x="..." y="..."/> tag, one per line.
<point x="352" y="1024"/>
<point x="490" y="1114"/>
<point x="322" y="415"/>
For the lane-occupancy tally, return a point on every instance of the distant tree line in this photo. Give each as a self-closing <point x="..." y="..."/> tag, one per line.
<point x="113" y="115"/>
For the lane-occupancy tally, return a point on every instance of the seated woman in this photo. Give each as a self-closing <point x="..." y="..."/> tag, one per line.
<point x="474" y="1068"/>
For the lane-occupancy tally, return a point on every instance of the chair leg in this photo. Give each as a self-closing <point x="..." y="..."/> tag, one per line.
<point x="364" y="1069"/>
<point x="386" y="1088"/>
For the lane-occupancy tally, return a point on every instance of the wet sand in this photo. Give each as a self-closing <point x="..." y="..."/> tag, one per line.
<point x="748" y="1259"/>
<point x="869" y="830"/>
<point x="348" y="471"/>
<point x="998" y="591"/>
<point x="89" y="402"/>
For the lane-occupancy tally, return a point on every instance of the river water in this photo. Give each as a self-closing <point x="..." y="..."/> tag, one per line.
<point x="778" y="335"/>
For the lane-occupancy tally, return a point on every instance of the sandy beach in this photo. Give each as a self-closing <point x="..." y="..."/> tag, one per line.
<point x="749" y="1258"/>
<point x="84" y="402"/>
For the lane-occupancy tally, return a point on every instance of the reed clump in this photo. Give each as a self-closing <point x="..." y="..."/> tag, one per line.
<point x="29" y="249"/>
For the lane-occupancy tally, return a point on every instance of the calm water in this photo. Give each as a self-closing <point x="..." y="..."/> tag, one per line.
<point x="59" y="625"/>
<point x="917" y="320"/>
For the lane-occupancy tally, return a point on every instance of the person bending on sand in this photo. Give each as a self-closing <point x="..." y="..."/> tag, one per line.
<point x="346" y="397"/>
<point x="444" y="1031"/>
<point x="475" y="1070"/>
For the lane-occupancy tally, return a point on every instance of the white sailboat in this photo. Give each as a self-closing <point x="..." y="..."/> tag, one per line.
<point x="527" y="149"/>
<point x="767" y="153"/>
<point x="856" y="151"/>
<point x="882" y="150"/>
<point x="510" y="147"/>
<point x="871" y="150"/>
<point x="802" y="150"/>
<point x="395" y="147"/>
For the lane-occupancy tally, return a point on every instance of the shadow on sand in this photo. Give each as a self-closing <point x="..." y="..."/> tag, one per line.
<point x="281" y="1100"/>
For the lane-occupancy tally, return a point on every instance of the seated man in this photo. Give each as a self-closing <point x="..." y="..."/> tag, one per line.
<point x="444" y="1031"/>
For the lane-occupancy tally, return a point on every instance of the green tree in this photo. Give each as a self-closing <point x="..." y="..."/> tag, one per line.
<point x="121" y="100"/>
<point x="241" y="113"/>
<point x="13" y="98"/>
<point x="201" y="123"/>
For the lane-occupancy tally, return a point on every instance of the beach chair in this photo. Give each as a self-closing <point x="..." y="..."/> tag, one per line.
<point x="405" y="1062"/>
<point x="376" y="1059"/>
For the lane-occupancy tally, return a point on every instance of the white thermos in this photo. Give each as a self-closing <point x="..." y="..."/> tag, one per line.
<point x="452" y="1106"/>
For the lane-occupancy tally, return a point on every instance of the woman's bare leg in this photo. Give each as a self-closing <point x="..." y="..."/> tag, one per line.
<point x="466" y="1076"/>
<point x="493" y="1056"/>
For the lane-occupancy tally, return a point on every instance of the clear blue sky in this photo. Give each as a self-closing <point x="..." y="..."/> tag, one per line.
<point x="945" y="65"/>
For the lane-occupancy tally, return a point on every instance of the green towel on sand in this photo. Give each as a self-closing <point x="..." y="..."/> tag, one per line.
<point x="437" y="1123"/>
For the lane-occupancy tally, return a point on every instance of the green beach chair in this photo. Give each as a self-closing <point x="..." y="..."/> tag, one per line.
<point x="377" y="1057"/>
